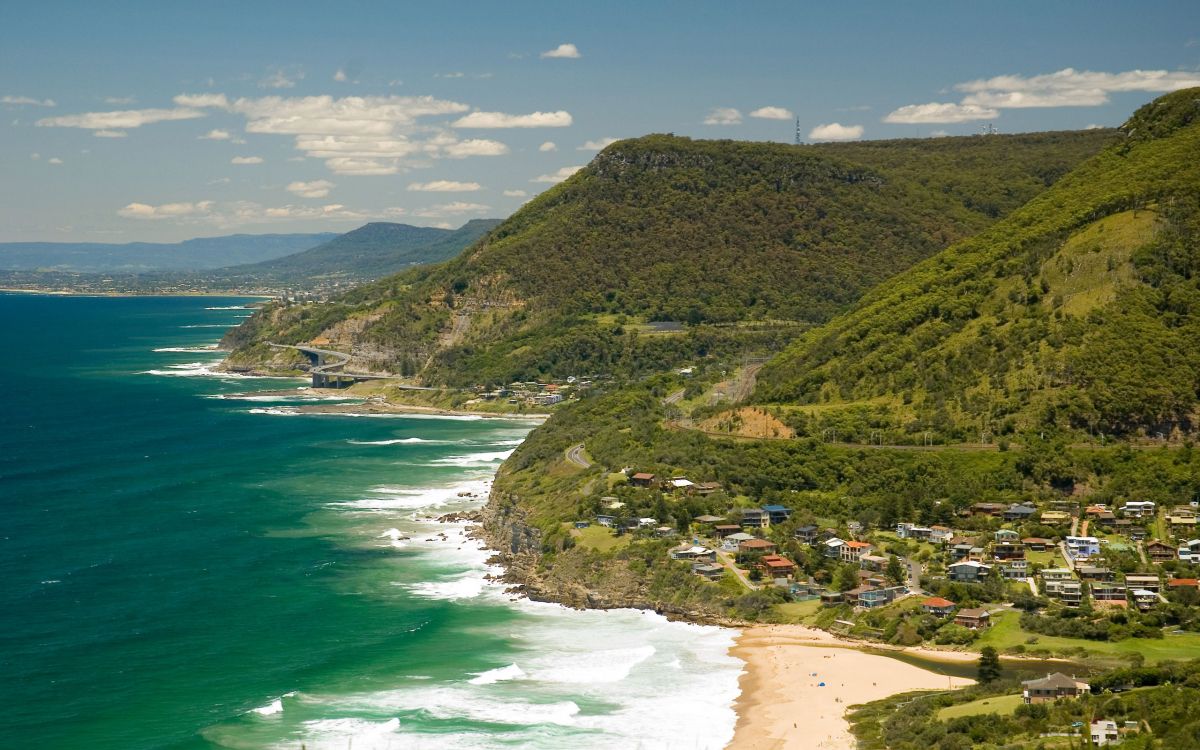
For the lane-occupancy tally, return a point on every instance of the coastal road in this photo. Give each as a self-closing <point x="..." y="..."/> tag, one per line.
<point x="674" y="398"/>
<point x="914" y="575"/>
<point x="724" y="558"/>
<point x="575" y="455"/>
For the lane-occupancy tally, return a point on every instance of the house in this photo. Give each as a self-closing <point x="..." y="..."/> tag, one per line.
<point x="938" y="606"/>
<point x="1144" y="599"/>
<point x="833" y="548"/>
<point x="1005" y="536"/>
<point x="707" y="520"/>
<point x="647" y="523"/>
<point x="1052" y="687"/>
<point x="1137" y="509"/>
<point x="1146" y="582"/>
<point x="940" y="534"/>
<point x="1183" y="583"/>
<point x="777" y="513"/>
<point x="969" y="571"/>
<point x="775" y="566"/>
<point x="711" y="571"/>
<point x="1055" y="517"/>
<point x="1109" y="592"/>
<point x="974" y="618"/>
<point x="1019" y="512"/>
<point x="755" y="545"/>
<point x="642" y="479"/>
<point x="1104" y="732"/>
<point x="722" y="530"/>
<point x="879" y="597"/>
<point x="755" y="518"/>
<point x="1069" y="593"/>
<point x="805" y="534"/>
<point x="733" y="541"/>
<point x="1189" y="551"/>
<point x="976" y="554"/>
<point x="582" y="524"/>
<point x="681" y="484"/>
<point x="1008" y="551"/>
<point x="1056" y="574"/>
<point x="854" y="527"/>
<point x="1107" y="518"/>
<point x="1182" y="521"/>
<point x="1015" y="570"/>
<point x="1093" y="573"/>
<point x="608" y="521"/>
<point x="830" y="598"/>
<point x="1036" y="543"/>
<point x="1093" y="511"/>
<point x="988" y="509"/>
<point x="912" y="531"/>
<point x="693" y="552"/>
<point x="706" y="488"/>
<point x="961" y="551"/>
<point x="1137" y="533"/>
<point x="874" y="563"/>
<point x="1160" y="551"/>
<point x="852" y="551"/>
<point x="664" y="531"/>
<point x="1082" y="547"/>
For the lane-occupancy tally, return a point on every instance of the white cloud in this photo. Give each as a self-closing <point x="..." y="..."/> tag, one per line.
<point x="281" y="78"/>
<point x="313" y="189"/>
<point x="566" y="51"/>
<point x="166" y="210"/>
<point x="772" y="113"/>
<point x="353" y="166"/>
<point x="597" y="145"/>
<point x="548" y="146"/>
<point x="559" y="119"/>
<point x="109" y="133"/>
<point x="1069" y="87"/>
<point x="558" y="176"/>
<point x="451" y="209"/>
<point x="340" y="76"/>
<point x="444" y="186"/>
<point x="455" y="74"/>
<point x="935" y="112"/>
<point x="939" y="134"/>
<point x="246" y="160"/>
<point x="215" y="134"/>
<point x="54" y="160"/>
<point x="835" y="131"/>
<point x="35" y="156"/>
<point x="119" y="100"/>
<point x="474" y="147"/>
<point x="723" y="116"/>
<point x="123" y="119"/>
<point x="202" y="101"/>
<point x="26" y="101"/>
<point x="515" y="193"/>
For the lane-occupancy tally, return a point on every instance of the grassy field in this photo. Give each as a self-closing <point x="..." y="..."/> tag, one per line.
<point x="1003" y="705"/>
<point x="1006" y="632"/>
<point x="599" y="538"/>
<point x="796" y="612"/>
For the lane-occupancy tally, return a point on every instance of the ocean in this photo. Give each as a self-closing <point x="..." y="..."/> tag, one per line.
<point x="182" y="566"/>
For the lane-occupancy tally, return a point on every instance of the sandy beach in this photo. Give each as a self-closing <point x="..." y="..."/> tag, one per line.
<point x="783" y="705"/>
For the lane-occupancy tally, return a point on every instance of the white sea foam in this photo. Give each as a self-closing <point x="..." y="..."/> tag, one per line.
<point x="499" y="674"/>
<point x="272" y="708"/>
<point x="230" y="307"/>
<point x="277" y="398"/>
<point x="466" y="585"/>
<point x="397" y="441"/>
<point x="206" y="349"/>
<point x="207" y="325"/>
<point x="472" y="459"/>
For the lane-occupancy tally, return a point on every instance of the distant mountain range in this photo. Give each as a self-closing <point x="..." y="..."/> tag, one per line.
<point x="369" y="252"/>
<point x="200" y="254"/>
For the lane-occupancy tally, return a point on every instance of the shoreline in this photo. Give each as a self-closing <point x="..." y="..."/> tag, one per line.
<point x="334" y="405"/>
<point x="77" y="293"/>
<point x="798" y="683"/>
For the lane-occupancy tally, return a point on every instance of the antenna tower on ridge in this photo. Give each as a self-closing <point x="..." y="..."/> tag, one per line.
<point x="798" y="141"/>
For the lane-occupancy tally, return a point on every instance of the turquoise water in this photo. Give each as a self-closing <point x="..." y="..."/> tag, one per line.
<point x="183" y="567"/>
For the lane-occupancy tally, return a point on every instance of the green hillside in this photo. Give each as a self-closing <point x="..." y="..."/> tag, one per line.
<point x="1080" y="311"/>
<point x="743" y="243"/>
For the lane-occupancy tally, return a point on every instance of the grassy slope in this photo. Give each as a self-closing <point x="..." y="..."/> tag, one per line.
<point x="1013" y="328"/>
<point x="1006" y="632"/>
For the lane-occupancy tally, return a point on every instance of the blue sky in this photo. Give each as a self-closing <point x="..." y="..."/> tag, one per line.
<point x="162" y="121"/>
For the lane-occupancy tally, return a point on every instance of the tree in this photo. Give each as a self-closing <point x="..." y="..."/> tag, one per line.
<point x="847" y="578"/>
<point x="895" y="571"/>
<point x="989" y="665"/>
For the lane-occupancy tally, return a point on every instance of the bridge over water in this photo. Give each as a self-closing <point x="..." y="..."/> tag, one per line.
<point x="329" y="369"/>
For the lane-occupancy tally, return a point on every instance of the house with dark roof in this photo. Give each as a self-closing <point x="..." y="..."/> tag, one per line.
<point x="1052" y="688"/>
<point x="777" y="513"/>
<point x="1159" y="551"/>
<point x="1019" y="512"/>
<point x="805" y="534"/>
<point x="975" y="618"/>
<point x="642" y="479"/>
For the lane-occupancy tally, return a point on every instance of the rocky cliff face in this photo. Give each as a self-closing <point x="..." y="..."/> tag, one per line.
<point x="573" y="579"/>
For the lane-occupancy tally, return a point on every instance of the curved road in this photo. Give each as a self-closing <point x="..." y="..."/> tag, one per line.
<point x="575" y="456"/>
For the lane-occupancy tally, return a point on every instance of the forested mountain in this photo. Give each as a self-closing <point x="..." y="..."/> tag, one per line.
<point x="136" y="257"/>
<point x="1080" y="311"/>
<point x="372" y="251"/>
<point x="745" y="243"/>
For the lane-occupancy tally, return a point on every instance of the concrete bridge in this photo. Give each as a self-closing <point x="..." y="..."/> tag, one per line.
<point x="328" y="367"/>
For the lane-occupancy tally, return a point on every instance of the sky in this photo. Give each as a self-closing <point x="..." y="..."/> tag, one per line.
<point x="140" y="121"/>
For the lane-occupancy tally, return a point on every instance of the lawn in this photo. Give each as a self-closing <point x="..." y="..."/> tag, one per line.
<point x="1006" y="632"/>
<point x="1003" y="705"/>
<point x="598" y="537"/>
<point x="796" y="612"/>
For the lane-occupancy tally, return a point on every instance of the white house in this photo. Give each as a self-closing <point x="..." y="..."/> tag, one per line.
<point x="1082" y="547"/>
<point x="1137" y="509"/>
<point x="1105" y="732"/>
